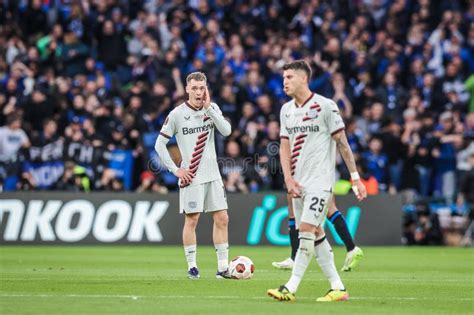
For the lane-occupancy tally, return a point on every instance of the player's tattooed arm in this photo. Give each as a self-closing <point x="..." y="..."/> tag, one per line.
<point x="345" y="150"/>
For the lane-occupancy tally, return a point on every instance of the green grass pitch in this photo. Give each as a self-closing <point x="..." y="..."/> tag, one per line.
<point x="152" y="280"/>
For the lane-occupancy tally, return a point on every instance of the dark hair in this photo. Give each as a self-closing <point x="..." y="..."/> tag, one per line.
<point x="13" y="118"/>
<point x="376" y="137"/>
<point x="47" y="121"/>
<point x="299" y="65"/>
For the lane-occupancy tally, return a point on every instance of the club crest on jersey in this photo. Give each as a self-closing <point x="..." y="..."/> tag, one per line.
<point x="313" y="113"/>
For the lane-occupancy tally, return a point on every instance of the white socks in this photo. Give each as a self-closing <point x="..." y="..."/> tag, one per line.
<point x="190" y="252"/>
<point x="222" y="251"/>
<point x="325" y="259"/>
<point x="302" y="260"/>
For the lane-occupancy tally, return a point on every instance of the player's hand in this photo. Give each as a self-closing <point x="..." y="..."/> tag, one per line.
<point x="185" y="176"/>
<point x="294" y="188"/>
<point x="359" y="190"/>
<point x="206" y="100"/>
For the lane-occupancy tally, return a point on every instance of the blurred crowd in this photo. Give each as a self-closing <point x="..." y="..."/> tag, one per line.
<point x="86" y="85"/>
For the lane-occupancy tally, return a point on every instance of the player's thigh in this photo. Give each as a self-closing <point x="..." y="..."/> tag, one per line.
<point x="297" y="204"/>
<point x="315" y="207"/>
<point x="215" y="197"/>
<point x="191" y="199"/>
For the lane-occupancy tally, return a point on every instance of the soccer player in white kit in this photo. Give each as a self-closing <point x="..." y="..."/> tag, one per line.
<point x="201" y="187"/>
<point x="311" y="129"/>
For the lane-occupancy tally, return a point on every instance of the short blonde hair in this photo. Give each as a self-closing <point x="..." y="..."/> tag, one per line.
<point x="197" y="76"/>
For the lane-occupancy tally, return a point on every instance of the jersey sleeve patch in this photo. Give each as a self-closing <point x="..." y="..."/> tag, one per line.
<point x="334" y="120"/>
<point x="283" y="131"/>
<point x="169" y="126"/>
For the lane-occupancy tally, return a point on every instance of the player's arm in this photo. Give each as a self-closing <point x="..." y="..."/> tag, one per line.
<point x="163" y="153"/>
<point x="344" y="148"/>
<point x="335" y="125"/>
<point x="293" y="187"/>
<point x="222" y="125"/>
<point x="167" y="131"/>
<point x="285" y="158"/>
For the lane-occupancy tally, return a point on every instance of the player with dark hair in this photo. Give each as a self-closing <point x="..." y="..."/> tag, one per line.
<point x="354" y="253"/>
<point x="311" y="130"/>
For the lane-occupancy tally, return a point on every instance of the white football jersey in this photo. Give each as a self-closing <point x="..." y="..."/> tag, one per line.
<point x="309" y="128"/>
<point x="194" y="132"/>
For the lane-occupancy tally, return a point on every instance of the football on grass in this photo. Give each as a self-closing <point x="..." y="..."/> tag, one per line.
<point x="241" y="267"/>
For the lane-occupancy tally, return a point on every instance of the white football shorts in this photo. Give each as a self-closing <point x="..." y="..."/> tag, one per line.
<point x="206" y="197"/>
<point x="312" y="207"/>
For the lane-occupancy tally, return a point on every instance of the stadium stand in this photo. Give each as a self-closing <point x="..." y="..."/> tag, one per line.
<point x="86" y="86"/>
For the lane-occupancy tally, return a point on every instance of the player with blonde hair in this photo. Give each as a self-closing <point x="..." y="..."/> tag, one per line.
<point x="201" y="188"/>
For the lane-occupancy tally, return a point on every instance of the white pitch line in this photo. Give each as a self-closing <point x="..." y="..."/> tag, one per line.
<point x="409" y="280"/>
<point x="217" y="297"/>
<point x="73" y="296"/>
<point x="463" y="280"/>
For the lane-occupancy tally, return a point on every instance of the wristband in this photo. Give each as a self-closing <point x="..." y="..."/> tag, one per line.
<point x="355" y="176"/>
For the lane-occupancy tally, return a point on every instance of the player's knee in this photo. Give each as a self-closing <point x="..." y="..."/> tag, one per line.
<point x="221" y="219"/>
<point x="191" y="221"/>
<point x="308" y="228"/>
<point x="320" y="232"/>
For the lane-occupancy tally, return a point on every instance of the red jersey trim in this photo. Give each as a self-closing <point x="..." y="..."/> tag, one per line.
<point x="192" y="107"/>
<point x="165" y="135"/>
<point x="338" y="130"/>
<point x="305" y="102"/>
